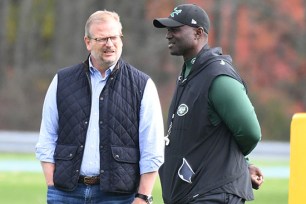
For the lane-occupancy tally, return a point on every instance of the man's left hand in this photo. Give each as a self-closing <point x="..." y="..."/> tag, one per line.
<point x="257" y="177"/>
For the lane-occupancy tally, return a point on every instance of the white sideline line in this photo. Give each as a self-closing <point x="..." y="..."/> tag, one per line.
<point x="20" y="166"/>
<point x="34" y="166"/>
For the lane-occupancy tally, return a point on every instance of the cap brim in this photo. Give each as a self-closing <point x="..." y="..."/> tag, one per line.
<point x="166" y="23"/>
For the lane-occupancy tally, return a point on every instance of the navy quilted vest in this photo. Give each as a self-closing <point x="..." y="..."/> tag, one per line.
<point x="119" y="110"/>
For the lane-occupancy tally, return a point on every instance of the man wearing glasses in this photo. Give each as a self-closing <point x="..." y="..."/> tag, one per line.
<point x="101" y="136"/>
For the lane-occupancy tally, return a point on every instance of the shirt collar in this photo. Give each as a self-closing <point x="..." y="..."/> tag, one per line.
<point x="188" y="66"/>
<point x="190" y="62"/>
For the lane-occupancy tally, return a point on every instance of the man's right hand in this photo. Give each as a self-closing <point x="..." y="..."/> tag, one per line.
<point x="48" y="169"/>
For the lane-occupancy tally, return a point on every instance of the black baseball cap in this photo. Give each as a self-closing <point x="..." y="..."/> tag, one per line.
<point x="185" y="14"/>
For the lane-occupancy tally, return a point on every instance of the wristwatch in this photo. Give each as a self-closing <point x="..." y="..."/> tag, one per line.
<point x="147" y="198"/>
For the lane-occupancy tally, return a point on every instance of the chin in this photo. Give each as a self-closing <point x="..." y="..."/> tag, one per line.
<point x="111" y="60"/>
<point x="175" y="53"/>
<point x="109" y="63"/>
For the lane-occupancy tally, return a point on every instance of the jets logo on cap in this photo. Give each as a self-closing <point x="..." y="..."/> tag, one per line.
<point x="175" y="11"/>
<point x="193" y="22"/>
<point x="182" y="110"/>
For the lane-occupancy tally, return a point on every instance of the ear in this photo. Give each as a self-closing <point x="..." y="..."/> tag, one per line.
<point x="87" y="43"/>
<point x="199" y="31"/>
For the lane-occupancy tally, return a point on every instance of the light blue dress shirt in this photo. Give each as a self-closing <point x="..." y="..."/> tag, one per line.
<point x="151" y="130"/>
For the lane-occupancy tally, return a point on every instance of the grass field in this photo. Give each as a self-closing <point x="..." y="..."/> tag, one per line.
<point x="19" y="187"/>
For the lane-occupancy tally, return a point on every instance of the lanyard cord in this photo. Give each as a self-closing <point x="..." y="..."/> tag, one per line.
<point x="177" y="99"/>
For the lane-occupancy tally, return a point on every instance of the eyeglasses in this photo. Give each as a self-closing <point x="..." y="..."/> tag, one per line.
<point x="104" y="40"/>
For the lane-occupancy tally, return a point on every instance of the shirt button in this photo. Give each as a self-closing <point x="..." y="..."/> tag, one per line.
<point x="117" y="156"/>
<point x="101" y="122"/>
<point x="77" y="171"/>
<point x="81" y="146"/>
<point x="102" y="171"/>
<point x="101" y="98"/>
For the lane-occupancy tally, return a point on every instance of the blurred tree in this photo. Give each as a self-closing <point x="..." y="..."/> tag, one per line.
<point x="4" y="8"/>
<point x="265" y="38"/>
<point x="68" y="44"/>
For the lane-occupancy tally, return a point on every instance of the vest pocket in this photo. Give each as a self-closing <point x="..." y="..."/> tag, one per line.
<point x="126" y="154"/>
<point x="65" y="175"/>
<point x="124" y="170"/>
<point x="65" y="152"/>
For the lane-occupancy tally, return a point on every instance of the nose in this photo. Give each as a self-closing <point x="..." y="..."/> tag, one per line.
<point x="168" y="35"/>
<point x="109" y="42"/>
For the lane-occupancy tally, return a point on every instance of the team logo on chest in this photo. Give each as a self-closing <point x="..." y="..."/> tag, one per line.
<point x="182" y="110"/>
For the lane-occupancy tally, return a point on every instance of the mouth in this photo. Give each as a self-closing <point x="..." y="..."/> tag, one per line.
<point x="170" y="44"/>
<point x="109" y="52"/>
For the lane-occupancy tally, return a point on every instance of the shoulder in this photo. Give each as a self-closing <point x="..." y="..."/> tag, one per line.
<point x="71" y="70"/>
<point x="226" y="80"/>
<point x="225" y="88"/>
<point x="126" y="67"/>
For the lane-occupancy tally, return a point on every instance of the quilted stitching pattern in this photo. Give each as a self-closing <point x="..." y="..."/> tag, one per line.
<point x="74" y="108"/>
<point x="119" y="111"/>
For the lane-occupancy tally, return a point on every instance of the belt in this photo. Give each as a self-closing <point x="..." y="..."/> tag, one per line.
<point x="89" y="180"/>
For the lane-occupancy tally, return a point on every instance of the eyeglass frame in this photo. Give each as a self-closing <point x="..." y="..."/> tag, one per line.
<point x="104" y="40"/>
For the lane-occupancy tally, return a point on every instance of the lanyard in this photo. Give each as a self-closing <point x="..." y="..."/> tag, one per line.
<point x="177" y="99"/>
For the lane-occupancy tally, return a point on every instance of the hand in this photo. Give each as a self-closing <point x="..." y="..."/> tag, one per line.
<point x="256" y="176"/>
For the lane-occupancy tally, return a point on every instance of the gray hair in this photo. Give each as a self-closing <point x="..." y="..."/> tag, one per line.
<point x="102" y="16"/>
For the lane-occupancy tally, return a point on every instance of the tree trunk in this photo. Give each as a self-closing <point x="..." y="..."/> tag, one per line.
<point x="22" y="34"/>
<point x="217" y="21"/>
<point x="70" y="21"/>
<point x="233" y="28"/>
<point x="4" y="13"/>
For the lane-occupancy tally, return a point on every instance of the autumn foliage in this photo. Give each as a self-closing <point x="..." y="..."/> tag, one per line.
<point x="266" y="39"/>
